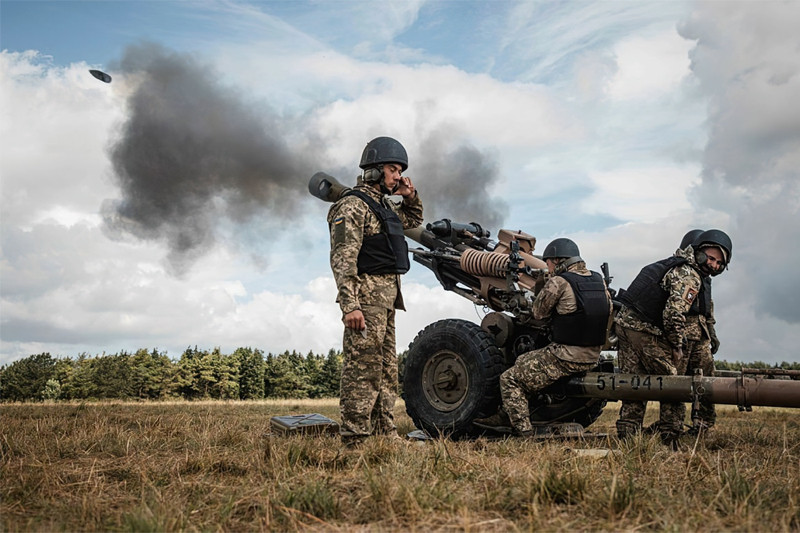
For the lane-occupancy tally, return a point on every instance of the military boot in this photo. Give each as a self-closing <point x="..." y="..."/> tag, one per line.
<point x="700" y="428"/>
<point x="499" y="422"/>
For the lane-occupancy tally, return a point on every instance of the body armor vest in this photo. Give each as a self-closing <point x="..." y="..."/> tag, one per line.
<point x="587" y="326"/>
<point x="702" y="304"/>
<point x="385" y="252"/>
<point x="645" y="294"/>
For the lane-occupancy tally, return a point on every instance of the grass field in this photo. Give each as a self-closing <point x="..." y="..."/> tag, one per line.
<point x="213" y="466"/>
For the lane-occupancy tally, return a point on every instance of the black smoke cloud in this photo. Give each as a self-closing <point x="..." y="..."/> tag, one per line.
<point x="456" y="181"/>
<point x="192" y="152"/>
<point x="193" y="157"/>
<point x="747" y="60"/>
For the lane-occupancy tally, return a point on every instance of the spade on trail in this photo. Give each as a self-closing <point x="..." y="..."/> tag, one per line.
<point x="100" y="75"/>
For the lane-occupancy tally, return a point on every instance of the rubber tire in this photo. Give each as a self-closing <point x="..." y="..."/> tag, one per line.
<point x="483" y="362"/>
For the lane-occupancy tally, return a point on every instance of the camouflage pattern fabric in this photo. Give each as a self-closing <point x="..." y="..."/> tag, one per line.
<point x="535" y="370"/>
<point x="699" y="356"/>
<point x="682" y="284"/>
<point x="369" y="376"/>
<point x="699" y="333"/>
<point x="532" y="372"/>
<point x="557" y="296"/>
<point x="641" y="353"/>
<point x="369" y="369"/>
<point x="350" y="220"/>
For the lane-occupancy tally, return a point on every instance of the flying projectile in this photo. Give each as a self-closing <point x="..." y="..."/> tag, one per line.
<point x="100" y="75"/>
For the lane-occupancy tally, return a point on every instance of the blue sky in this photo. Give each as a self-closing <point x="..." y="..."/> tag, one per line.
<point x="618" y="124"/>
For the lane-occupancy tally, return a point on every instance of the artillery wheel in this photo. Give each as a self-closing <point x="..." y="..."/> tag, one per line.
<point x="451" y="377"/>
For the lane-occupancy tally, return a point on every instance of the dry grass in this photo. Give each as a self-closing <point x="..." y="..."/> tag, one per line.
<point x="214" y="466"/>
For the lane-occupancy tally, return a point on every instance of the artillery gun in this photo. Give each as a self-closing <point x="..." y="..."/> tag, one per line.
<point x="452" y="368"/>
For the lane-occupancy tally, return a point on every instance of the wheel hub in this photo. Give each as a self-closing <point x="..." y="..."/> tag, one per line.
<point x="445" y="380"/>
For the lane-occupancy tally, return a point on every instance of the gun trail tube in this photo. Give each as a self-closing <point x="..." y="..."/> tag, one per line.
<point x="744" y="391"/>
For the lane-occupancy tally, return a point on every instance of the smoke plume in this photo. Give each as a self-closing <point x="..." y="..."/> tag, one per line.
<point x="192" y="153"/>
<point x="456" y="182"/>
<point x="193" y="157"/>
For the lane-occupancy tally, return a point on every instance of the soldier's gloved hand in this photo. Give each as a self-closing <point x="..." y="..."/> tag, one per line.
<point x="714" y="344"/>
<point x="714" y="340"/>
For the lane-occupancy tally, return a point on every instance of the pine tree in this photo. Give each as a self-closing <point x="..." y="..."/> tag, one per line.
<point x="25" y="379"/>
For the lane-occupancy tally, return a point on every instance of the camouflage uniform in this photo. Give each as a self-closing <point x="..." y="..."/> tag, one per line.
<point x="369" y="369"/>
<point x="644" y="348"/>
<point x="699" y="335"/>
<point x="535" y="370"/>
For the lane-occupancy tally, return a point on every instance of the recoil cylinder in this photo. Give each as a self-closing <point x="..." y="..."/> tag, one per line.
<point x="480" y="263"/>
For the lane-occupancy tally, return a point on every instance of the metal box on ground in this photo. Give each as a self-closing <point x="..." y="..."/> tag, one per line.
<point x="310" y="424"/>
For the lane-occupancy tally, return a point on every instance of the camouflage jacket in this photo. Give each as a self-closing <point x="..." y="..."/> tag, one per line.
<point x="557" y="296"/>
<point x="682" y="285"/>
<point x="699" y="327"/>
<point x="350" y="220"/>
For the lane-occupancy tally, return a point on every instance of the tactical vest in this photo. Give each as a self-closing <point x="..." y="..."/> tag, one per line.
<point x="385" y="252"/>
<point x="702" y="303"/>
<point x="587" y="326"/>
<point x="645" y="293"/>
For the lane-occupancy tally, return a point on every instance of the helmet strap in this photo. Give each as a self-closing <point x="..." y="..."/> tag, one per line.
<point x="566" y="263"/>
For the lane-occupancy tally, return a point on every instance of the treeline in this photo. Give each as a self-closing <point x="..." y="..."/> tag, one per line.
<point x="760" y="365"/>
<point x="150" y="375"/>
<point x="245" y="374"/>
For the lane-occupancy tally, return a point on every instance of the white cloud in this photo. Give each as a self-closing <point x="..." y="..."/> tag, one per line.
<point x="649" y="67"/>
<point x="641" y="194"/>
<point x="67" y="288"/>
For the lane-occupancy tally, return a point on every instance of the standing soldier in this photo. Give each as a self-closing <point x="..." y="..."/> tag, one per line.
<point x="652" y="327"/>
<point x="368" y="255"/>
<point x="576" y="301"/>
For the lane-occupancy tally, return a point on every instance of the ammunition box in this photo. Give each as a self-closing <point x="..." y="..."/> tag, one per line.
<point x="310" y="424"/>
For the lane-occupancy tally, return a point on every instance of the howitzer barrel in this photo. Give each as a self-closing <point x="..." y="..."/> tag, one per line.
<point x="744" y="391"/>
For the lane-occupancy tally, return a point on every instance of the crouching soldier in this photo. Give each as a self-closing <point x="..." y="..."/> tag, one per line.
<point x="652" y="325"/>
<point x="577" y="303"/>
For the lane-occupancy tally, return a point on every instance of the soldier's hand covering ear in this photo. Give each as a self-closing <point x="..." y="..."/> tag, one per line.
<point x="405" y="187"/>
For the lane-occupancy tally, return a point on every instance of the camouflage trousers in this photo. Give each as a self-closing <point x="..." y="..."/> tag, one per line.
<point x="532" y="372"/>
<point x="369" y="377"/>
<point x="644" y="353"/>
<point x="699" y="356"/>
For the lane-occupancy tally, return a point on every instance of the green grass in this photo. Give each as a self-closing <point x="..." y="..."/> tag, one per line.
<point x="211" y="466"/>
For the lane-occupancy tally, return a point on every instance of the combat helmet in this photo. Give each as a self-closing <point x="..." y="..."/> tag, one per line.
<point x="561" y="247"/>
<point x="713" y="237"/>
<point x="689" y="238"/>
<point x="378" y="152"/>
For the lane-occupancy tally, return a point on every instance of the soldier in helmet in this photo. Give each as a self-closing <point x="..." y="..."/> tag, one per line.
<point x="652" y="326"/>
<point x="700" y="331"/>
<point x="577" y="303"/>
<point x="368" y="255"/>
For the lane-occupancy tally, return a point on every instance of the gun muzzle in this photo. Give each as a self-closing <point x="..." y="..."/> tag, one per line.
<point x="326" y="187"/>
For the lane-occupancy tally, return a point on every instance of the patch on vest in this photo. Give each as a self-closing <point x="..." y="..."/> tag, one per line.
<point x="690" y="294"/>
